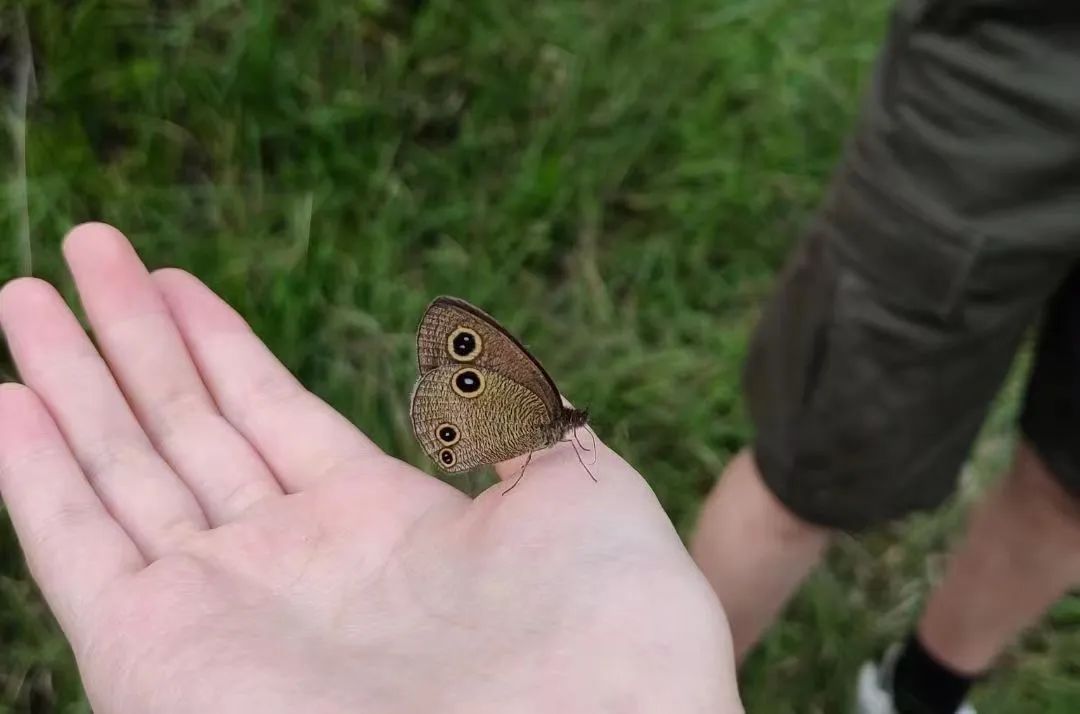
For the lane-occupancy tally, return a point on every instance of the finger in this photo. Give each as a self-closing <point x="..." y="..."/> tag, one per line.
<point x="73" y="546"/>
<point x="147" y="355"/>
<point x="302" y="439"/>
<point x="58" y="361"/>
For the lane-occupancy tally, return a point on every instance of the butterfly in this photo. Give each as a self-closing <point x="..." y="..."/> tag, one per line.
<point x="481" y="397"/>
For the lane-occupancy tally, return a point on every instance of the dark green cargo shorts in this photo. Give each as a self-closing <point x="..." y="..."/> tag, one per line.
<point x="952" y="224"/>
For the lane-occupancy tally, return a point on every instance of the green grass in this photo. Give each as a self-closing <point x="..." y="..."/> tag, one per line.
<point x="616" y="180"/>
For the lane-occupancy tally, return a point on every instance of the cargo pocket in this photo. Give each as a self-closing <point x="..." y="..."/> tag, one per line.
<point x="907" y="259"/>
<point x="878" y="389"/>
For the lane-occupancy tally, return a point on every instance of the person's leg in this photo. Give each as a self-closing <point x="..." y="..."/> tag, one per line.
<point x="1022" y="548"/>
<point x="947" y="226"/>
<point x="754" y="551"/>
<point x="1021" y="551"/>
<point x="1020" y="554"/>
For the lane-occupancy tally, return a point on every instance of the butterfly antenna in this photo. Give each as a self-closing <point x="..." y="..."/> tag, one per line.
<point x="578" y="455"/>
<point x="592" y="435"/>
<point x="582" y="446"/>
<point x="521" y="475"/>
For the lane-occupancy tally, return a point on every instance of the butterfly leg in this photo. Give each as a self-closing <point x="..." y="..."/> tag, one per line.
<point x="520" y="475"/>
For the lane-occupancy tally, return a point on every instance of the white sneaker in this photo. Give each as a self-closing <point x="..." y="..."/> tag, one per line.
<point x="874" y="688"/>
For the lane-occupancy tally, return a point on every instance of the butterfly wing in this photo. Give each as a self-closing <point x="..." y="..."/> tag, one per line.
<point x="453" y="332"/>
<point x="497" y="421"/>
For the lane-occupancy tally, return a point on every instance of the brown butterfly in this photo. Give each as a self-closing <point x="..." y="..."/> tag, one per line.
<point x="481" y="397"/>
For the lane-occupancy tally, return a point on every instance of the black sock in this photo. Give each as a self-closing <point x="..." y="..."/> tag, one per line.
<point x="923" y="685"/>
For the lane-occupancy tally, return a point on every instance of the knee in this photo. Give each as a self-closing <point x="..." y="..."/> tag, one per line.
<point x="1040" y="493"/>
<point x="742" y="494"/>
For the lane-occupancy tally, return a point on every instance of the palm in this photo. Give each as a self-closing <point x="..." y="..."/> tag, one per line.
<point x="268" y="557"/>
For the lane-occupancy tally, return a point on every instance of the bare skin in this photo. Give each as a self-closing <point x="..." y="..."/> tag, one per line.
<point x="214" y="538"/>
<point x="754" y="551"/>
<point x="1021" y="553"/>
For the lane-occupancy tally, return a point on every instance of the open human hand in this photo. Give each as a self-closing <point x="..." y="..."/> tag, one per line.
<point x="214" y="538"/>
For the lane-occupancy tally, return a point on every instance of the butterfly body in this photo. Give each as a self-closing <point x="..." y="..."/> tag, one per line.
<point x="481" y="397"/>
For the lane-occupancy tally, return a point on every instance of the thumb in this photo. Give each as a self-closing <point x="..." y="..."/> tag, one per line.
<point x="578" y="446"/>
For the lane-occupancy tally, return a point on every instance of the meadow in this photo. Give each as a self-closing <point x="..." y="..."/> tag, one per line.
<point x="618" y="181"/>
